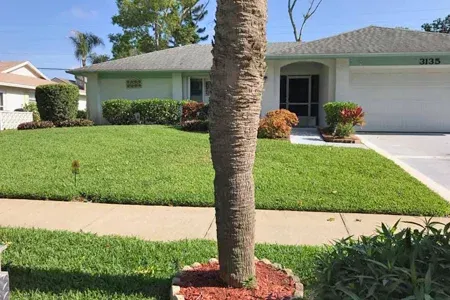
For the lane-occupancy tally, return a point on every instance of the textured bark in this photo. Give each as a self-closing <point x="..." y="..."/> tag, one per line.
<point x="235" y="104"/>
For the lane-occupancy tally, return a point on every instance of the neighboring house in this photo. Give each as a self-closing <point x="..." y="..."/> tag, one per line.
<point x="400" y="77"/>
<point x="18" y="81"/>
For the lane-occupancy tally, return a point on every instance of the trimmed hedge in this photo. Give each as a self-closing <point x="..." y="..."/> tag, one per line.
<point x="144" y="111"/>
<point x="75" y="123"/>
<point x="333" y="112"/>
<point x="57" y="102"/>
<point x="277" y="124"/>
<point x="82" y="114"/>
<point x="35" y="125"/>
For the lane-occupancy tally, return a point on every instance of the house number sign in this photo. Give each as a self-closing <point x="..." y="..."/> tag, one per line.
<point x="429" y="61"/>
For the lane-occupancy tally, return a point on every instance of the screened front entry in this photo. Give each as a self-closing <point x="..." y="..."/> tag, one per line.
<point x="300" y="95"/>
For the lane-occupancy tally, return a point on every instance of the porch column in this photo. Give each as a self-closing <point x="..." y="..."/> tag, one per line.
<point x="93" y="101"/>
<point x="271" y="95"/>
<point x="177" y="86"/>
<point x="342" y="80"/>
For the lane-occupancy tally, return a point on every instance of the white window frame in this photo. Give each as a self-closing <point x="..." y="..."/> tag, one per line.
<point x="205" y="98"/>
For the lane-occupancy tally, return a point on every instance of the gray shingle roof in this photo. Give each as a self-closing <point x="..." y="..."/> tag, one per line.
<point x="366" y="41"/>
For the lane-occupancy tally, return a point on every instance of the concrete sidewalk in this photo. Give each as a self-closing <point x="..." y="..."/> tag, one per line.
<point x="175" y="223"/>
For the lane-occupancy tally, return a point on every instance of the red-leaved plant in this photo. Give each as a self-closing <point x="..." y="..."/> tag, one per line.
<point x="277" y="124"/>
<point x="353" y="116"/>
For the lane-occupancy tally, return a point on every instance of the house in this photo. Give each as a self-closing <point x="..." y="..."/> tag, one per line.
<point x="400" y="77"/>
<point x="18" y="81"/>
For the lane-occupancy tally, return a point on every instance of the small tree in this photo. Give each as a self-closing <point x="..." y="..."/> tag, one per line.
<point x="313" y="6"/>
<point x="438" y="25"/>
<point x="57" y="102"/>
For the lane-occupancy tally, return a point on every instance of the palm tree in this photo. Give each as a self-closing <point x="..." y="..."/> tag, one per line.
<point x="84" y="43"/>
<point x="237" y="85"/>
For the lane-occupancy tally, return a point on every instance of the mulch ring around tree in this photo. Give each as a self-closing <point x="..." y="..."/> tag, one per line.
<point x="204" y="283"/>
<point x="329" y="138"/>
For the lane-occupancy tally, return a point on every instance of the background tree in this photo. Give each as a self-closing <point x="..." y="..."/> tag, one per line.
<point x="237" y="84"/>
<point x="84" y="44"/>
<point x="438" y="25"/>
<point x="95" y="58"/>
<point x="313" y="6"/>
<point x="154" y="25"/>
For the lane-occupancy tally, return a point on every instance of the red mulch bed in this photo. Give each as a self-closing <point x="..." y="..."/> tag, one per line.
<point x="204" y="283"/>
<point x="332" y="139"/>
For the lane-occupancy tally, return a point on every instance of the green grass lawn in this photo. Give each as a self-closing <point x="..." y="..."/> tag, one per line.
<point x="165" y="166"/>
<point x="61" y="265"/>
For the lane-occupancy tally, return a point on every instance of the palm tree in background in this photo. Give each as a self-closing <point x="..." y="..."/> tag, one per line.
<point x="235" y="105"/>
<point x="84" y="43"/>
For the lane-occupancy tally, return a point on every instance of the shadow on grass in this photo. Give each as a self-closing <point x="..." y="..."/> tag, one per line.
<point x="56" y="281"/>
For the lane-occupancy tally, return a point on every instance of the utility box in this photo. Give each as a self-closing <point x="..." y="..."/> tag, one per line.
<point x="4" y="278"/>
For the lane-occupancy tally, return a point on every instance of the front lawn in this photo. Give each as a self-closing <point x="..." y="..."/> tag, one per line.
<point x="159" y="165"/>
<point x="61" y="265"/>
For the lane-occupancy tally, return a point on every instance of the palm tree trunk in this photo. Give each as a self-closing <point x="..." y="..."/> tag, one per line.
<point x="237" y="85"/>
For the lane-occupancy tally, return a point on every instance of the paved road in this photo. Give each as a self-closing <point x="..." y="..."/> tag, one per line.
<point x="176" y="223"/>
<point x="427" y="153"/>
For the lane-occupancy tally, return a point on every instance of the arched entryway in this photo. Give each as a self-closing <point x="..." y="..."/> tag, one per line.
<point x="304" y="89"/>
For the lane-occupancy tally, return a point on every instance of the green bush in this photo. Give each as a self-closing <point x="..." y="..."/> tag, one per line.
<point x="35" y="125"/>
<point x="157" y="111"/>
<point x="333" y="112"/>
<point x="145" y="111"/>
<point x="344" y="129"/>
<point x="57" y="102"/>
<point x="82" y="114"/>
<point x="75" y="123"/>
<point x="118" y="112"/>
<point x="405" y="264"/>
<point x="32" y="107"/>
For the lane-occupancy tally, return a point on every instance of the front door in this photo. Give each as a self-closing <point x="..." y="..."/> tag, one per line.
<point x="300" y="96"/>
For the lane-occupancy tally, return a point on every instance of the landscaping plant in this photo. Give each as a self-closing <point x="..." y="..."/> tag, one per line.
<point x="57" y="102"/>
<point x="82" y="114"/>
<point x="333" y="112"/>
<point x="35" y="125"/>
<point x="409" y="264"/>
<point x="32" y="107"/>
<point x="118" y="112"/>
<point x="75" y="123"/>
<point x="194" y="116"/>
<point x="277" y="124"/>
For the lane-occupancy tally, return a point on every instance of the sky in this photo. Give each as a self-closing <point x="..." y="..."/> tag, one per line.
<point x="38" y="31"/>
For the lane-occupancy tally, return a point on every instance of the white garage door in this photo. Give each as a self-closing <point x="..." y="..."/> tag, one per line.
<point x="403" y="100"/>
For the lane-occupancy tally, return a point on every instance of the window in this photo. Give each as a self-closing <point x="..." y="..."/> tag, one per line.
<point x="134" y="83"/>
<point x="200" y="89"/>
<point x="196" y="89"/>
<point x="1" y="101"/>
<point x="32" y="98"/>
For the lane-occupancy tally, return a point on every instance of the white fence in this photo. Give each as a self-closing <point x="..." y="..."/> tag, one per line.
<point x="12" y="119"/>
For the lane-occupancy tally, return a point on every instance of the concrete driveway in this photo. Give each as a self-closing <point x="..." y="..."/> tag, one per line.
<point x="425" y="156"/>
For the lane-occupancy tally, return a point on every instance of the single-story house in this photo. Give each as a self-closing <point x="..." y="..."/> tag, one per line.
<point x="18" y="81"/>
<point x="400" y="77"/>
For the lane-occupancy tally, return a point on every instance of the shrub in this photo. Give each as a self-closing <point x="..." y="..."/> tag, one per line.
<point x="151" y="111"/>
<point x="354" y="116"/>
<point x="344" y="129"/>
<point x="57" y="102"/>
<point x="35" y="125"/>
<point x="194" y="116"/>
<point x="82" y="114"/>
<point x="405" y="264"/>
<point x="277" y="124"/>
<point x="75" y="123"/>
<point x="195" y="125"/>
<point x="333" y="112"/>
<point x="118" y="112"/>
<point x="194" y="111"/>
<point x="157" y="111"/>
<point x="32" y="107"/>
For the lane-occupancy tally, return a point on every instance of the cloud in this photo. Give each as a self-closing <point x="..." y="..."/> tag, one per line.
<point x="81" y="13"/>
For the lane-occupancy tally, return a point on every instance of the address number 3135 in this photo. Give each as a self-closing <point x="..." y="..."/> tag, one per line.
<point x="430" y="61"/>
